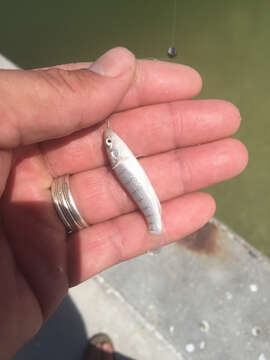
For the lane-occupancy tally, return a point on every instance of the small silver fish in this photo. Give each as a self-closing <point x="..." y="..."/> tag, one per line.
<point x="132" y="176"/>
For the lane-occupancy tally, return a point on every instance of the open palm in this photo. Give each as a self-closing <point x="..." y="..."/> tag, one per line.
<point x="51" y="124"/>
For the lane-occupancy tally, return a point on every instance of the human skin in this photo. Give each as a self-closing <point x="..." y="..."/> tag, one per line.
<point x="51" y="124"/>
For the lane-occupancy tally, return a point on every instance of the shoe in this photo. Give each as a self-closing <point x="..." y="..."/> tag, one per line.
<point x="99" y="347"/>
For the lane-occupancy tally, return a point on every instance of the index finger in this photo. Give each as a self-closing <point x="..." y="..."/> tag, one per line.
<point x="160" y="81"/>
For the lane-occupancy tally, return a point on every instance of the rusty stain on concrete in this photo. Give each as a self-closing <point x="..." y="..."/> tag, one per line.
<point x="204" y="241"/>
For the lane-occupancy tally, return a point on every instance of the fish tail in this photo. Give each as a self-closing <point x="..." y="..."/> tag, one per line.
<point x="157" y="241"/>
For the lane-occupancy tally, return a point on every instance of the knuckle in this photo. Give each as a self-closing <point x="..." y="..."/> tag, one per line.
<point x="177" y="124"/>
<point x="66" y="82"/>
<point x="60" y="80"/>
<point x="184" y="171"/>
<point x="75" y="88"/>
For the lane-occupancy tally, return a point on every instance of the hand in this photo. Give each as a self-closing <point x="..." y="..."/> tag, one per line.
<point x="51" y="124"/>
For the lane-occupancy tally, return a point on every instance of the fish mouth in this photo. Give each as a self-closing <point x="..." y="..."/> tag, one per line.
<point x="108" y="133"/>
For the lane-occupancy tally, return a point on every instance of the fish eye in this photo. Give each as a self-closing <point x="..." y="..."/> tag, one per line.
<point x="109" y="142"/>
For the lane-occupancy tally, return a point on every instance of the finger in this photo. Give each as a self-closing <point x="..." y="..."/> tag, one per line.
<point x="147" y="130"/>
<point x="101" y="246"/>
<point x="161" y="81"/>
<point x="55" y="102"/>
<point x="156" y="81"/>
<point x="99" y="195"/>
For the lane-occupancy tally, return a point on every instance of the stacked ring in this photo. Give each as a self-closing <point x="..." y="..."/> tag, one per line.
<point x="65" y="205"/>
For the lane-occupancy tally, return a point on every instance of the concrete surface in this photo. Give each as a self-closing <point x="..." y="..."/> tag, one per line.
<point x="204" y="297"/>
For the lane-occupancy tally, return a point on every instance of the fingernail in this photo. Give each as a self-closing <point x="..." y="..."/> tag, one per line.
<point x="114" y="62"/>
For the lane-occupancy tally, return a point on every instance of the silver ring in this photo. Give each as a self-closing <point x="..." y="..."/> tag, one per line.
<point x="65" y="205"/>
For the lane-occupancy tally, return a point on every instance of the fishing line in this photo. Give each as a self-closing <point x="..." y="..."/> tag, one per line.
<point x="172" y="50"/>
<point x="173" y="24"/>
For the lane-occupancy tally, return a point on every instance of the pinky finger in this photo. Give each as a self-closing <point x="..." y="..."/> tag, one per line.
<point x="103" y="245"/>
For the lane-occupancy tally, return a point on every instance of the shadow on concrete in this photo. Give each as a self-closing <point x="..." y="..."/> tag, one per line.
<point x="95" y="353"/>
<point x="118" y="356"/>
<point x="62" y="337"/>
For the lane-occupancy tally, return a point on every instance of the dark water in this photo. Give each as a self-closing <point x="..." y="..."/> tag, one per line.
<point x="228" y="42"/>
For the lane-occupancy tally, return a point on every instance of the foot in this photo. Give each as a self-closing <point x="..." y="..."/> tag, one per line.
<point x="99" y="347"/>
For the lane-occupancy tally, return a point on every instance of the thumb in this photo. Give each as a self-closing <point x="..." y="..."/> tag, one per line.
<point x="45" y="104"/>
